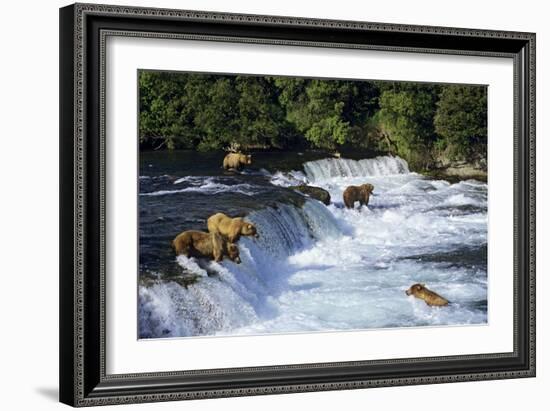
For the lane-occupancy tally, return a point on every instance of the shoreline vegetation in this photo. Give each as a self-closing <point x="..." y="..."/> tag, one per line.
<point x="439" y="129"/>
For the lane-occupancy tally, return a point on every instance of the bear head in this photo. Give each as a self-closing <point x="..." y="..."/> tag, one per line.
<point x="233" y="253"/>
<point x="415" y="289"/>
<point x="249" y="229"/>
<point x="369" y="188"/>
<point x="245" y="159"/>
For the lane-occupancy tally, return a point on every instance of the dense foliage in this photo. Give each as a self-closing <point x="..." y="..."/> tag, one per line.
<point x="461" y="121"/>
<point x="421" y="122"/>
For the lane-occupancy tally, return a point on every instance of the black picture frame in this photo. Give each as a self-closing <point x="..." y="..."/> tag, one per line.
<point x="83" y="29"/>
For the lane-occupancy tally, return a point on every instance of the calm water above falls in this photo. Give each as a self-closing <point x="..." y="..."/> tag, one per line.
<point x="314" y="267"/>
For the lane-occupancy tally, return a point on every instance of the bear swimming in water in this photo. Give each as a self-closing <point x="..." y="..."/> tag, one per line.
<point x="429" y="297"/>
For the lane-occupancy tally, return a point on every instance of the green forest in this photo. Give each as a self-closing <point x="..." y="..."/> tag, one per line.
<point x="423" y="123"/>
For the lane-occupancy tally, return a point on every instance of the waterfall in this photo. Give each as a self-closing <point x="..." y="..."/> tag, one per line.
<point x="327" y="168"/>
<point x="238" y="294"/>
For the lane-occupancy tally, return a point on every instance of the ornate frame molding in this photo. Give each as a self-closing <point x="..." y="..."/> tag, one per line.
<point x="82" y="387"/>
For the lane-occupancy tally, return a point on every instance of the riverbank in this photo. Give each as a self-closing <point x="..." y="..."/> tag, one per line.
<point x="456" y="174"/>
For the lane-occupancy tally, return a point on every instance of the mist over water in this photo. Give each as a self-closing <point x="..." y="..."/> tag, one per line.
<point x="314" y="267"/>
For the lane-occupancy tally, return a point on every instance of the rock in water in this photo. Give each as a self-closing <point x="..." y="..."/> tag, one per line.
<point x="317" y="193"/>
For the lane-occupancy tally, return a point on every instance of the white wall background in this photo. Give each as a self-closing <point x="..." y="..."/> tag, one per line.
<point x="29" y="203"/>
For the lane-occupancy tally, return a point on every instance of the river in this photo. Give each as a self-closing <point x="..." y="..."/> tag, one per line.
<point x="314" y="267"/>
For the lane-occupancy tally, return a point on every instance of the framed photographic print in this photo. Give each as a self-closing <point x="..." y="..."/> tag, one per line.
<point x="261" y="204"/>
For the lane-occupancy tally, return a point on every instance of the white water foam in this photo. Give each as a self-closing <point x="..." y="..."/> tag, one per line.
<point x="191" y="265"/>
<point x="328" y="168"/>
<point x="208" y="186"/>
<point x="292" y="178"/>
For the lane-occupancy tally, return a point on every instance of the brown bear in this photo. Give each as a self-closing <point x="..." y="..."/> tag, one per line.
<point x="230" y="228"/>
<point x="357" y="193"/>
<point x="429" y="297"/>
<point x="235" y="161"/>
<point x="199" y="244"/>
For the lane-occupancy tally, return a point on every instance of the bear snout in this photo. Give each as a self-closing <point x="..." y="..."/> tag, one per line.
<point x="408" y="292"/>
<point x="237" y="260"/>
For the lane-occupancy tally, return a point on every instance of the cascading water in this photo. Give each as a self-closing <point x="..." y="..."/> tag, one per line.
<point x="317" y="268"/>
<point x="235" y="295"/>
<point x="325" y="169"/>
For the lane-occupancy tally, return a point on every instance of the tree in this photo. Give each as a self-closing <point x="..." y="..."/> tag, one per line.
<point x="406" y="115"/>
<point x="329" y="113"/>
<point x="261" y="118"/>
<point x="161" y="117"/>
<point x="217" y="118"/>
<point x="461" y="121"/>
<point x="210" y="112"/>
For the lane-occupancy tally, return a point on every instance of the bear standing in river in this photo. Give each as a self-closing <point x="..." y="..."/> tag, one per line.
<point x="230" y="228"/>
<point x="429" y="297"/>
<point x="235" y="161"/>
<point x="199" y="244"/>
<point x="357" y="193"/>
